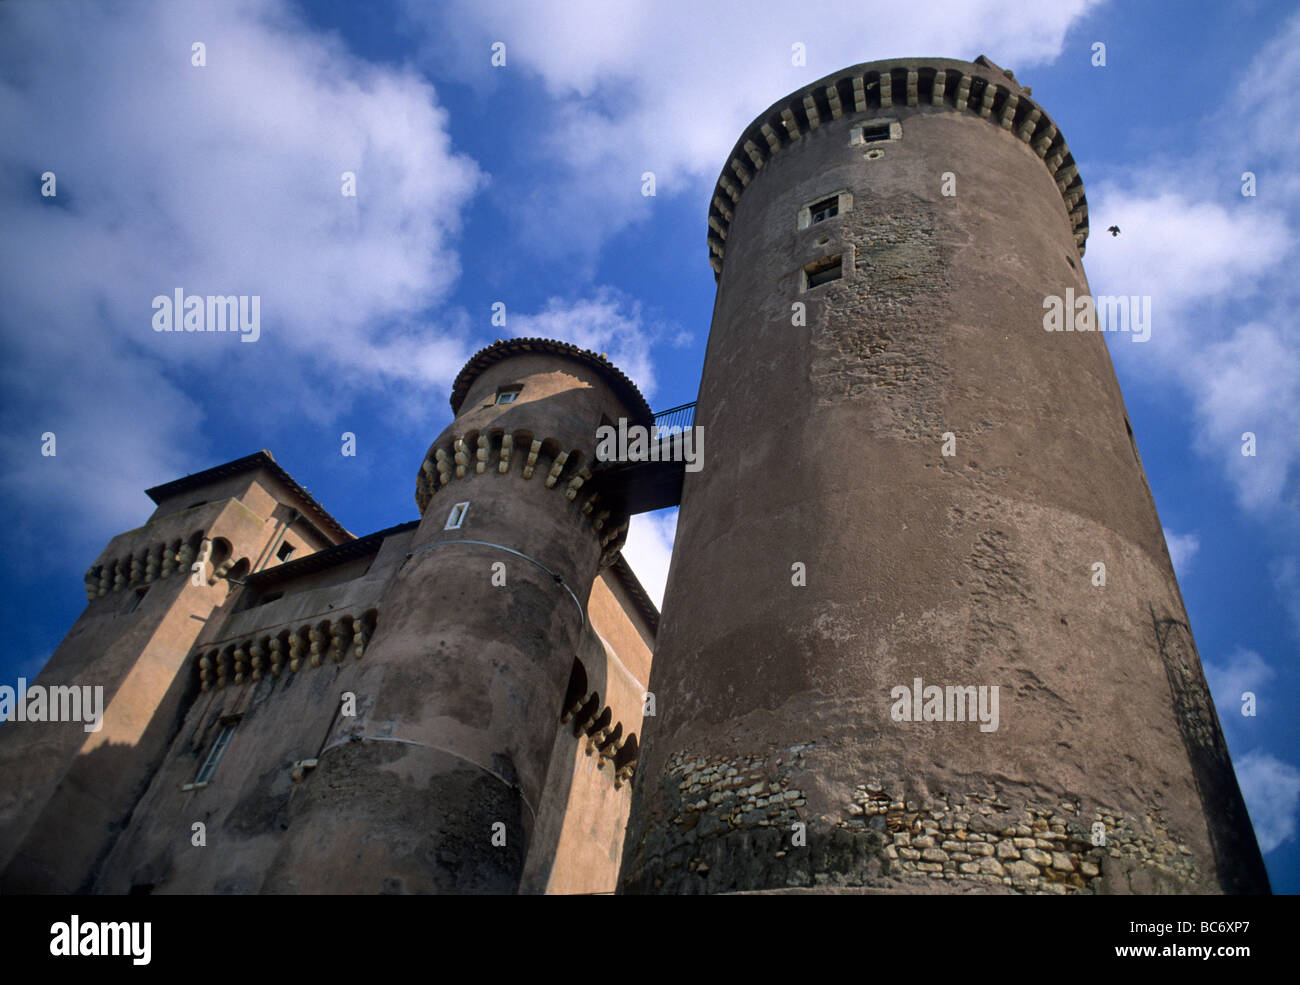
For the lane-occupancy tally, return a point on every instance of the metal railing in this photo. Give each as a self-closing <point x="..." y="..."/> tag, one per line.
<point x="675" y="417"/>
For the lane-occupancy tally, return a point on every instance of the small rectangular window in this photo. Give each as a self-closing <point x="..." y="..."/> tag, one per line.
<point x="876" y="131"/>
<point x="507" y="396"/>
<point x="823" y="272"/>
<point x="457" y="516"/>
<point x="140" y="593"/>
<point x="218" y="750"/>
<point x="286" y="551"/>
<point x="824" y="208"/>
<point x="827" y="208"/>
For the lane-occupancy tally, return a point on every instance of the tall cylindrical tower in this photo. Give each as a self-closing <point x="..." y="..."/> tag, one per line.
<point x="436" y="786"/>
<point x="921" y="630"/>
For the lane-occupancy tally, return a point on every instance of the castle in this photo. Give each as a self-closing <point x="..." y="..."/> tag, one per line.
<point x="921" y="630"/>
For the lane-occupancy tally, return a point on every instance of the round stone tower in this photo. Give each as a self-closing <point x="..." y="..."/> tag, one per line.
<point x="921" y="630"/>
<point x="477" y="638"/>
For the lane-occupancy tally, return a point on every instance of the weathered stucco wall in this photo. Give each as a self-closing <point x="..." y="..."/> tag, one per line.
<point x="389" y="663"/>
<point x="973" y="569"/>
<point x="578" y="845"/>
<point x="284" y="716"/>
<point x="67" y="793"/>
<point x="469" y="638"/>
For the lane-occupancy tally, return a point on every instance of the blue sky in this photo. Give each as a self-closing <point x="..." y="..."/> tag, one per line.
<point x="522" y="184"/>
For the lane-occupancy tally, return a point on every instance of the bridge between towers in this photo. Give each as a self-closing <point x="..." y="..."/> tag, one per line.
<point x="643" y="486"/>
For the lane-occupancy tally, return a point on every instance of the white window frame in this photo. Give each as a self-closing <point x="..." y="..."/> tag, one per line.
<point x="219" y="747"/>
<point x="844" y="205"/>
<point x="456" y="518"/>
<point x="895" y="131"/>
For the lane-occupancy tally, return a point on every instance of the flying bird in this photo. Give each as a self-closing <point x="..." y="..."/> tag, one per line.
<point x="1113" y="230"/>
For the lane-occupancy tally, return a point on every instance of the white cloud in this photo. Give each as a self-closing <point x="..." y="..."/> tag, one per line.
<point x="1264" y="144"/>
<point x="1182" y="548"/>
<point x="1180" y="250"/>
<point x="1202" y="264"/>
<point x="1218" y="268"/>
<point x="1244" y="670"/>
<point x="649" y="549"/>
<point x="1271" y="789"/>
<point x="1223" y="329"/>
<point x="223" y="179"/>
<point x="1285" y="572"/>
<point x="1250" y="383"/>
<point x="668" y="87"/>
<point x="608" y="323"/>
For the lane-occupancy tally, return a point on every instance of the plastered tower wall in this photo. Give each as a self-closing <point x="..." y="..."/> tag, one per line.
<point x="578" y="843"/>
<point x="67" y="792"/>
<point x="294" y="631"/>
<point x="975" y="569"/>
<point x="459" y="723"/>
<point x="285" y="649"/>
<point x="275" y="668"/>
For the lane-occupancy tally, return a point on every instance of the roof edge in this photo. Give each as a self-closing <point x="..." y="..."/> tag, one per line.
<point x="503" y="349"/>
<point x="648" y="610"/>
<point x="258" y="460"/>
<point x="980" y="88"/>
<point x="328" y="558"/>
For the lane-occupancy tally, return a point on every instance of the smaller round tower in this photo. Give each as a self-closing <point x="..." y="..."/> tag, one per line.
<point x="477" y="637"/>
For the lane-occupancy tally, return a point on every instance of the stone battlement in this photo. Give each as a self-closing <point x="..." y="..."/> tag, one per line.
<point x="875" y="88"/>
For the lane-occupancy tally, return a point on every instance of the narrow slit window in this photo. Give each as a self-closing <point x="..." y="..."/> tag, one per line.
<point x="140" y="593"/>
<point x="218" y="750"/>
<point x="457" y="516"/>
<point x="823" y="271"/>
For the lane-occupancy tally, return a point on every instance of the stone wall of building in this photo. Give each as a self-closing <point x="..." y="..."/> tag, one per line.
<point x="578" y="846"/>
<point x="908" y="478"/>
<point x="68" y="792"/>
